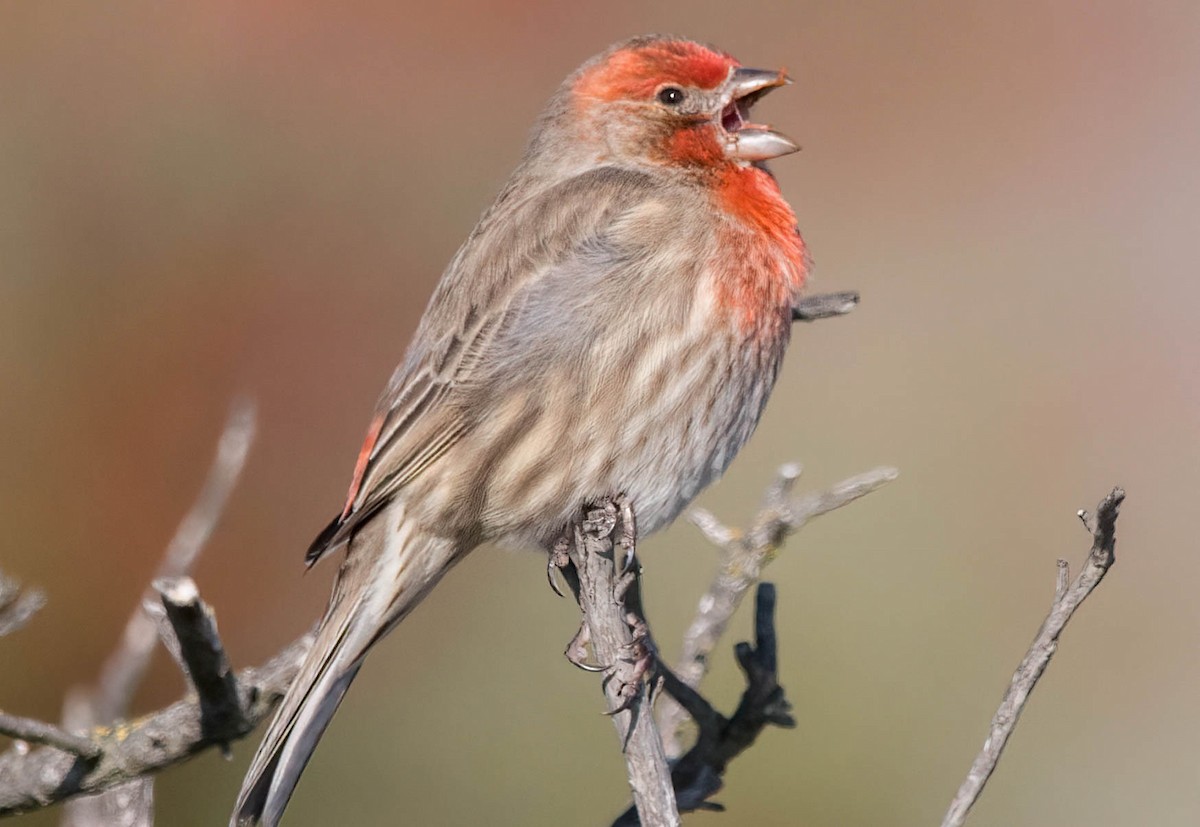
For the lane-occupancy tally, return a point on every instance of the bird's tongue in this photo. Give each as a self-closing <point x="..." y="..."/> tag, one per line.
<point x="734" y="116"/>
<point x="731" y="118"/>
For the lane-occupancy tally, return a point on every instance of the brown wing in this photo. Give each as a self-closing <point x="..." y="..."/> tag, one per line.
<point x="508" y="252"/>
<point x="390" y="457"/>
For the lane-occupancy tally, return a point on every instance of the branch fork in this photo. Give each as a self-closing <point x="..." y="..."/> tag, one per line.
<point x="598" y="561"/>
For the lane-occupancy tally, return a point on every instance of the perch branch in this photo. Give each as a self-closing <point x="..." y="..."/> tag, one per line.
<point x="743" y="557"/>
<point x="1067" y="599"/>
<point x="603" y="575"/>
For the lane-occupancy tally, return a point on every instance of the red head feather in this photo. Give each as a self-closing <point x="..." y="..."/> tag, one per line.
<point x="636" y="70"/>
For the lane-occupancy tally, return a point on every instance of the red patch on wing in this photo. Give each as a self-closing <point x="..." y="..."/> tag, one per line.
<point x="766" y="267"/>
<point x="364" y="457"/>
<point x="636" y="72"/>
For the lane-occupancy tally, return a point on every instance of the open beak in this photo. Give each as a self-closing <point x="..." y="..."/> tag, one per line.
<point x="746" y="141"/>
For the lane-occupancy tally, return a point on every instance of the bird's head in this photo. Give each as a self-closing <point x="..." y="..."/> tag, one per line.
<point x="670" y="101"/>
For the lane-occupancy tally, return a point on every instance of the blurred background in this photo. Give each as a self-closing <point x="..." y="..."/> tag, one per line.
<point x="210" y="199"/>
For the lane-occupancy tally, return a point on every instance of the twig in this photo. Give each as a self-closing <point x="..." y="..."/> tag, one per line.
<point x="123" y="671"/>
<point x="697" y="775"/>
<point x="121" y="674"/>
<point x="17" y="605"/>
<point x="602" y="584"/>
<point x="1066" y="600"/>
<point x="824" y="306"/>
<point x="40" y="732"/>
<point x="135" y="749"/>
<point x="203" y="656"/>
<point x="743" y="558"/>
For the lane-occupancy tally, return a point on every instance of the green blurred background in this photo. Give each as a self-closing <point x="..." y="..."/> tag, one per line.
<point x="209" y="199"/>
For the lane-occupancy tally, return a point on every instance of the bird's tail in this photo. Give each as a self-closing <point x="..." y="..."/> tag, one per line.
<point x="390" y="566"/>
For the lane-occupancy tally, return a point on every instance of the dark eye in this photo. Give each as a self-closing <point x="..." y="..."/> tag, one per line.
<point x="671" y="96"/>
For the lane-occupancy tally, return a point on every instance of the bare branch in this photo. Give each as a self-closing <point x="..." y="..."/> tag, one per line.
<point x="205" y="662"/>
<point x="108" y="700"/>
<point x="40" y="732"/>
<point x="742" y="561"/>
<point x="715" y="531"/>
<point x="129" y="805"/>
<point x="122" y="673"/>
<point x="824" y="306"/>
<point x="17" y="605"/>
<point x="131" y="750"/>
<point x="605" y="588"/>
<point x="1066" y="600"/>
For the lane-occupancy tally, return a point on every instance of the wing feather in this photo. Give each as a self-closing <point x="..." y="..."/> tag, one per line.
<point x="508" y="254"/>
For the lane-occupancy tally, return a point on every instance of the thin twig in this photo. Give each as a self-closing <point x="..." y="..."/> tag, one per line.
<point x="604" y="590"/>
<point x="109" y="698"/>
<point x="40" y="732"/>
<point x="743" y="558"/>
<point x="123" y="671"/>
<point x="205" y="662"/>
<point x="1066" y="601"/>
<point x="17" y="605"/>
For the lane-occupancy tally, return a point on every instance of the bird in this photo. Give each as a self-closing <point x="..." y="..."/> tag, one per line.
<point x="612" y="326"/>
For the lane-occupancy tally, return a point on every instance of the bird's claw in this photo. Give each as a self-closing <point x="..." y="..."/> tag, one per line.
<point x="577" y="650"/>
<point x="557" y="561"/>
<point x="551" y="568"/>
<point x="628" y="538"/>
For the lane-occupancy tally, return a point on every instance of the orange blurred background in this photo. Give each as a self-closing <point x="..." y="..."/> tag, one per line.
<point x="210" y="199"/>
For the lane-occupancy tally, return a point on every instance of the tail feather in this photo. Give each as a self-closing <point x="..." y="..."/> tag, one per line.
<point x="389" y="568"/>
<point x="288" y="745"/>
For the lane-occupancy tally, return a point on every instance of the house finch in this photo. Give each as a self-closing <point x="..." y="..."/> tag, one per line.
<point x="613" y="325"/>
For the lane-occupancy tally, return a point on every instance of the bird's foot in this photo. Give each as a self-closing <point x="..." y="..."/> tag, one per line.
<point x="638" y="662"/>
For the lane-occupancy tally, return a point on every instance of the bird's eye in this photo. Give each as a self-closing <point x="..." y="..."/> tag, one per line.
<point x="671" y="96"/>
